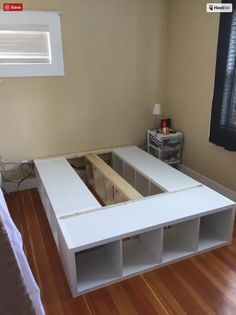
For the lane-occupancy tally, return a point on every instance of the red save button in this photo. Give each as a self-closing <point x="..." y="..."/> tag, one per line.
<point x="13" y="7"/>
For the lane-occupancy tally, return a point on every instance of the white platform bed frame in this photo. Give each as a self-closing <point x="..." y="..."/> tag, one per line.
<point x="99" y="245"/>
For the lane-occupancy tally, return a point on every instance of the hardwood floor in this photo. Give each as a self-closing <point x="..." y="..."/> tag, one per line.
<point x="205" y="284"/>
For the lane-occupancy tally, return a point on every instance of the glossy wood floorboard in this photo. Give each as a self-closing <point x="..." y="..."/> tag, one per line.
<point x="205" y="284"/>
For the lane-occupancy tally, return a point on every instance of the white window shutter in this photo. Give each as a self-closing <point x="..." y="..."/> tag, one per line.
<point x="20" y="47"/>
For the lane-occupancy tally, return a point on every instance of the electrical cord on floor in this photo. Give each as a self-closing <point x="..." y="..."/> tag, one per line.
<point x="19" y="166"/>
<point x="25" y="176"/>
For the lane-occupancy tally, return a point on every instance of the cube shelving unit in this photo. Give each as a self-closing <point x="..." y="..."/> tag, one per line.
<point x="98" y="265"/>
<point x="100" y="245"/>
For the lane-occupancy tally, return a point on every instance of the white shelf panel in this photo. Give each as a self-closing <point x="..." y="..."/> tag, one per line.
<point x="174" y="249"/>
<point x="208" y="239"/>
<point x="136" y="257"/>
<point x="117" y="165"/>
<point x="164" y="176"/>
<point x="172" y="254"/>
<point x="216" y="229"/>
<point x="67" y="192"/>
<point x="142" y="184"/>
<point x="154" y="190"/>
<point x="180" y="240"/>
<point x="134" y="217"/>
<point x="129" y="174"/>
<point x="94" y="269"/>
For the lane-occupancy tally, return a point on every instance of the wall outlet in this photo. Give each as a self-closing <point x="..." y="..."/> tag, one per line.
<point x="27" y="161"/>
<point x="24" y="161"/>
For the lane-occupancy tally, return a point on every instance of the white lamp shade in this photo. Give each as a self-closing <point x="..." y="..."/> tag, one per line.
<point x="156" y="109"/>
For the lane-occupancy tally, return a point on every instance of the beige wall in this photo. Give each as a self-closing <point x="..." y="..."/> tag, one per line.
<point x="114" y="62"/>
<point x="189" y="88"/>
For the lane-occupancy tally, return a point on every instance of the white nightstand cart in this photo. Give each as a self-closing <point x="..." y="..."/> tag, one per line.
<point x="166" y="147"/>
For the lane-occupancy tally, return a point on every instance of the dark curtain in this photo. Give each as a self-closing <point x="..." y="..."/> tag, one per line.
<point x="223" y="115"/>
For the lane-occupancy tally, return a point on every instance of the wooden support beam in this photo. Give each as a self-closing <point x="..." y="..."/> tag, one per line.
<point x="116" y="180"/>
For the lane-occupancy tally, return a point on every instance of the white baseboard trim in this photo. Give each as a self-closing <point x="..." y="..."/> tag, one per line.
<point x="209" y="182"/>
<point x="28" y="183"/>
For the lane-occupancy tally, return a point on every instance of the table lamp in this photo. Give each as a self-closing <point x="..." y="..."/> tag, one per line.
<point x="156" y="109"/>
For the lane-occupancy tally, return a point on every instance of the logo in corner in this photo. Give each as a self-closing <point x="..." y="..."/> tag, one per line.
<point x="13" y="7"/>
<point x="219" y="7"/>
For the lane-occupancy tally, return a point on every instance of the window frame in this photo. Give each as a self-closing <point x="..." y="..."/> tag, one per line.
<point x="35" y="19"/>
<point x="222" y="135"/>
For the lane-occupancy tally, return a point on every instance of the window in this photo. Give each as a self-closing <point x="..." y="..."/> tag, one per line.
<point x="223" y="116"/>
<point x="30" y="44"/>
<point x="24" y="47"/>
